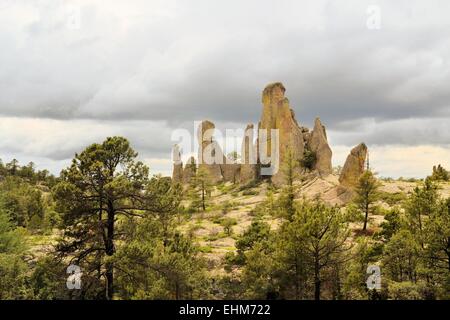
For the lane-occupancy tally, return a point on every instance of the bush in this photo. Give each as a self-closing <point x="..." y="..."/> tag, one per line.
<point x="404" y="291"/>
<point x="250" y="192"/>
<point x="228" y="224"/>
<point x="393" y="199"/>
<point x="205" y="249"/>
<point x="440" y="174"/>
<point x="249" y="185"/>
<point x="309" y="159"/>
<point x="226" y="206"/>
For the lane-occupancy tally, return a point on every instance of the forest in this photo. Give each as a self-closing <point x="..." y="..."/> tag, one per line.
<point x="136" y="235"/>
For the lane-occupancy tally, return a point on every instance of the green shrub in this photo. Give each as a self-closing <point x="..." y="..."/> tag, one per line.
<point x="249" y="185"/>
<point x="250" y="192"/>
<point x="228" y="224"/>
<point x="205" y="249"/>
<point x="393" y="198"/>
<point x="309" y="159"/>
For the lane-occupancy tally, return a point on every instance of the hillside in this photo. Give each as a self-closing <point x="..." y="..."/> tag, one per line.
<point x="241" y="203"/>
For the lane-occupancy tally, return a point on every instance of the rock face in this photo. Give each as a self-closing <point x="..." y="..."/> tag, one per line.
<point x="354" y="166"/>
<point x="268" y="156"/>
<point x="230" y="172"/>
<point x="248" y="170"/>
<point x="219" y="167"/>
<point x="189" y="170"/>
<point x="318" y="144"/>
<point x="177" y="174"/>
<point x="210" y="154"/>
<point x="277" y="114"/>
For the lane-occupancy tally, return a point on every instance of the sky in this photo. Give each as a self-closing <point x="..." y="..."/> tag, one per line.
<point x="75" y="72"/>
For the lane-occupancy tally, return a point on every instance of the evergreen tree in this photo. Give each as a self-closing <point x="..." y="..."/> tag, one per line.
<point x="422" y="202"/>
<point x="321" y="232"/>
<point x="13" y="269"/>
<point x="290" y="173"/>
<point x="103" y="184"/>
<point x="201" y="188"/>
<point x="366" y="194"/>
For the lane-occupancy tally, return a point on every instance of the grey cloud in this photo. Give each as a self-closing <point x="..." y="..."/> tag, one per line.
<point x="408" y="132"/>
<point x="211" y="61"/>
<point x="172" y="62"/>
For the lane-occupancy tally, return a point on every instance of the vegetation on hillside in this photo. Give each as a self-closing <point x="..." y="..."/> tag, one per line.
<point x="137" y="236"/>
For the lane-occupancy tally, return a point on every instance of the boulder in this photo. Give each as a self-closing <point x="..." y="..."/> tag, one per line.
<point x="354" y="166"/>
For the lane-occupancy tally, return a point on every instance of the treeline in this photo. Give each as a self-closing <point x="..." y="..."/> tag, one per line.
<point x="115" y="222"/>
<point x="27" y="172"/>
<point x="25" y="196"/>
<point x="126" y="231"/>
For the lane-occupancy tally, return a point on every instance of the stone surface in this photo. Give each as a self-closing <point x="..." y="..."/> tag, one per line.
<point x="277" y="114"/>
<point x="292" y="138"/>
<point x="210" y="154"/>
<point x="189" y="170"/>
<point x="231" y="172"/>
<point x="354" y="166"/>
<point x="318" y="144"/>
<point x="248" y="170"/>
<point x="177" y="173"/>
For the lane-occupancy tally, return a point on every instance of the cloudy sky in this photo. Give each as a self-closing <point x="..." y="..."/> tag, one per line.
<point x="75" y="72"/>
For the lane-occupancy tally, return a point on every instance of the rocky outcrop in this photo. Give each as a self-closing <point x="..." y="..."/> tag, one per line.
<point x="318" y="144"/>
<point x="230" y="172"/>
<point x="248" y="170"/>
<point x="268" y="156"/>
<point x="177" y="173"/>
<point x="277" y="114"/>
<point x="210" y="154"/>
<point x="189" y="170"/>
<point x="354" y="166"/>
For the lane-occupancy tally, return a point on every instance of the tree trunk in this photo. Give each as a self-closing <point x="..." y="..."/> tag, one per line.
<point x="203" y="196"/>
<point x="366" y="217"/>
<point x="448" y="257"/>
<point x="297" y="291"/>
<point x="316" y="279"/>
<point x="109" y="281"/>
<point x="177" y="290"/>
<point x="110" y="251"/>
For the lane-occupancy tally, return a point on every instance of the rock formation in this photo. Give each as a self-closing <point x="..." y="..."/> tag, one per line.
<point x="354" y="166"/>
<point x="210" y="154"/>
<point x="317" y="143"/>
<point x="258" y="158"/>
<point x="230" y="172"/>
<point x="277" y="114"/>
<point x="248" y="170"/>
<point x="189" y="170"/>
<point x="177" y="164"/>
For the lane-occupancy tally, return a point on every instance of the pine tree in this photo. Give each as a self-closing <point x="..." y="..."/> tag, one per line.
<point x="366" y="194"/>
<point x="103" y="185"/>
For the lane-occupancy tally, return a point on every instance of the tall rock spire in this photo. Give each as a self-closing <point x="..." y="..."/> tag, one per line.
<point x="277" y="114"/>
<point x="354" y="166"/>
<point x="319" y="145"/>
<point x="210" y="155"/>
<point x="248" y="156"/>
